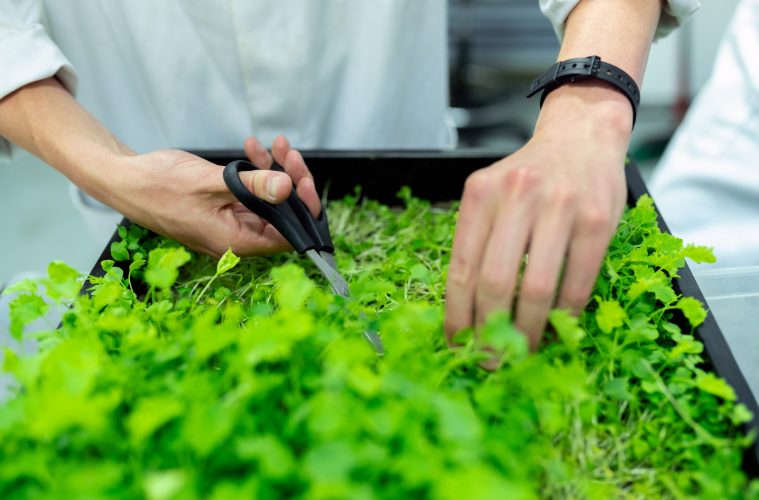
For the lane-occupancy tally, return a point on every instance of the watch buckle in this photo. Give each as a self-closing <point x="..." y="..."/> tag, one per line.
<point x="595" y="65"/>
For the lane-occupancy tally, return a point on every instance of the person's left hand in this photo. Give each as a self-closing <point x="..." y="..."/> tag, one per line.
<point x="558" y="200"/>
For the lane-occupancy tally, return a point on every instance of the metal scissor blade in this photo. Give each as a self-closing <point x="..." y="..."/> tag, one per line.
<point x="376" y="342"/>
<point x="330" y="259"/>
<point x="339" y="285"/>
<point x="325" y="262"/>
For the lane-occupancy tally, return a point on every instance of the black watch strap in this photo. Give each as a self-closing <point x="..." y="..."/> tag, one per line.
<point x="582" y="68"/>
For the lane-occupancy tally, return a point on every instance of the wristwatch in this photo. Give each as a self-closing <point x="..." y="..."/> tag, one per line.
<point x="583" y="68"/>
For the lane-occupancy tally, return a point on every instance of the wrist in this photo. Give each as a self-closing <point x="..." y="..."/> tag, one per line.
<point x="590" y="105"/>
<point x="97" y="169"/>
<point x="43" y="118"/>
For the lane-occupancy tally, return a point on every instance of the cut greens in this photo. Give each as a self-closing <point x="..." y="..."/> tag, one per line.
<point x="181" y="377"/>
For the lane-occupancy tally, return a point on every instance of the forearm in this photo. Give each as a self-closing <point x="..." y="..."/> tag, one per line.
<point x="46" y="120"/>
<point x="621" y="32"/>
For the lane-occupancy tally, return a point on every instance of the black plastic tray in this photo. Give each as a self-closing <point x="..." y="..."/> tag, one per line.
<point x="439" y="177"/>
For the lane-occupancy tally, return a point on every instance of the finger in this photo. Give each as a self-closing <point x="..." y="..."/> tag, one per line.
<point x="546" y="253"/>
<point x="497" y="280"/>
<point x="295" y="166"/>
<point x="257" y="154"/>
<point x="307" y="193"/>
<point x="268" y="185"/>
<point x="472" y="229"/>
<point x="279" y="149"/>
<point x="291" y="160"/>
<point x="586" y="252"/>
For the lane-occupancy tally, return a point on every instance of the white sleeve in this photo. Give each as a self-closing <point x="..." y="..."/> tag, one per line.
<point x="27" y="54"/>
<point x="674" y="13"/>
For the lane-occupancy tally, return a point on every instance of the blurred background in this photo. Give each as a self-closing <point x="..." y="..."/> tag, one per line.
<point x="496" y="48"/>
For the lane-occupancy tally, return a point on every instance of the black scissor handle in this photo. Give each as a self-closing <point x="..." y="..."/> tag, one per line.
<point x="291" y="218"/>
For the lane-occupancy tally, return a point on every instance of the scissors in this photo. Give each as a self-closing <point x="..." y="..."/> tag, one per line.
<point x="307" y="234"/>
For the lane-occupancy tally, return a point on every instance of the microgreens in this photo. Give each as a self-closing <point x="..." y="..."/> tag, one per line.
<point x="181" y="377"/>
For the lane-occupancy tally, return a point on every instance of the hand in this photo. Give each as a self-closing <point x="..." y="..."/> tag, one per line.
<point x="558" y="200"/>
<point x="183" y="196"/>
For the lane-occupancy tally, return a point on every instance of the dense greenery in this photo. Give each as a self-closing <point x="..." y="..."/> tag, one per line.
<point x="186" y="378"/>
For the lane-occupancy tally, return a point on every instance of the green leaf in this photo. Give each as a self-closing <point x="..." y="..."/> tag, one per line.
<point x="692" y="309"/>
<point x="274" y="458"/>
<point x="500" y="334"/>
<point x="685" y="344"/>
<point x="458" y="421"/>
<point x="700" y="254"/>
<point x="617" y="388"/>
<point x="163" y="266"/>
<point x="330" y="461"/>
<point x="567" y="327"/>
<point x="293" y="288"/>
<point x="641" y="330"/>
<point x="164" y="485"/>
<point x="119" y="251"/>
<point x="24" y="309"/>
<point x="741" y="414"/>
<point x="227" y="262"/>
<point x="27" y="285"/>
<point x="63" y="282"/>
<point x="708" y="382"/>
<point x="150" y="414"/>
<point x="138" y="262"/>
<point x="480" y="482"/>
<point x="648" y="280"/>
<point x="609" y="315"/>
<point x="206" y="426"/>
<point x="420" y="273"/>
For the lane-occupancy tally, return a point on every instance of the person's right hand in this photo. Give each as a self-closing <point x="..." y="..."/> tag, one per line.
<point x="182" y="196"/>
<point x="172" y="192"/>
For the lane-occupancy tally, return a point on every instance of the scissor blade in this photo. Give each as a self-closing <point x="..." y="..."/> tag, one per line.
<point x="325" y="262"/>
<point x="339" y="285"/>
<point x="330" y="259"/>
<point x="376" y="342"/>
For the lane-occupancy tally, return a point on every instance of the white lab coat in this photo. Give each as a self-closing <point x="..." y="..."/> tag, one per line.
<point x="206" y="74"/>
<point x="707" y="183"/>
<point x="199" y="74"/>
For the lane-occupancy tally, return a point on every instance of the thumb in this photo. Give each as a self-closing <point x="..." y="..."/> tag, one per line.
<point x="269" y="185"/>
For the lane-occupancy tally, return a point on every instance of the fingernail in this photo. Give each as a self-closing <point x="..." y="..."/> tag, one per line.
<point x="271" y="187"/>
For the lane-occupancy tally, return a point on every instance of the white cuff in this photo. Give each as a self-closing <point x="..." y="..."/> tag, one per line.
<point x="674" y="13"/>
<point x="27" y="55"/>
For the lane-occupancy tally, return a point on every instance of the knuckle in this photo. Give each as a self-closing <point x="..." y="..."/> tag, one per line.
<point x="519" y="180"/>
<point x="461" y="273"/>
<point x="563" y="196"/>
<point x="537" y="289"/>
<point x="477" y="184"/>
<point x="595" y="219"/>
<point x="575" y="296"/>
<point x="494" y="285"/>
